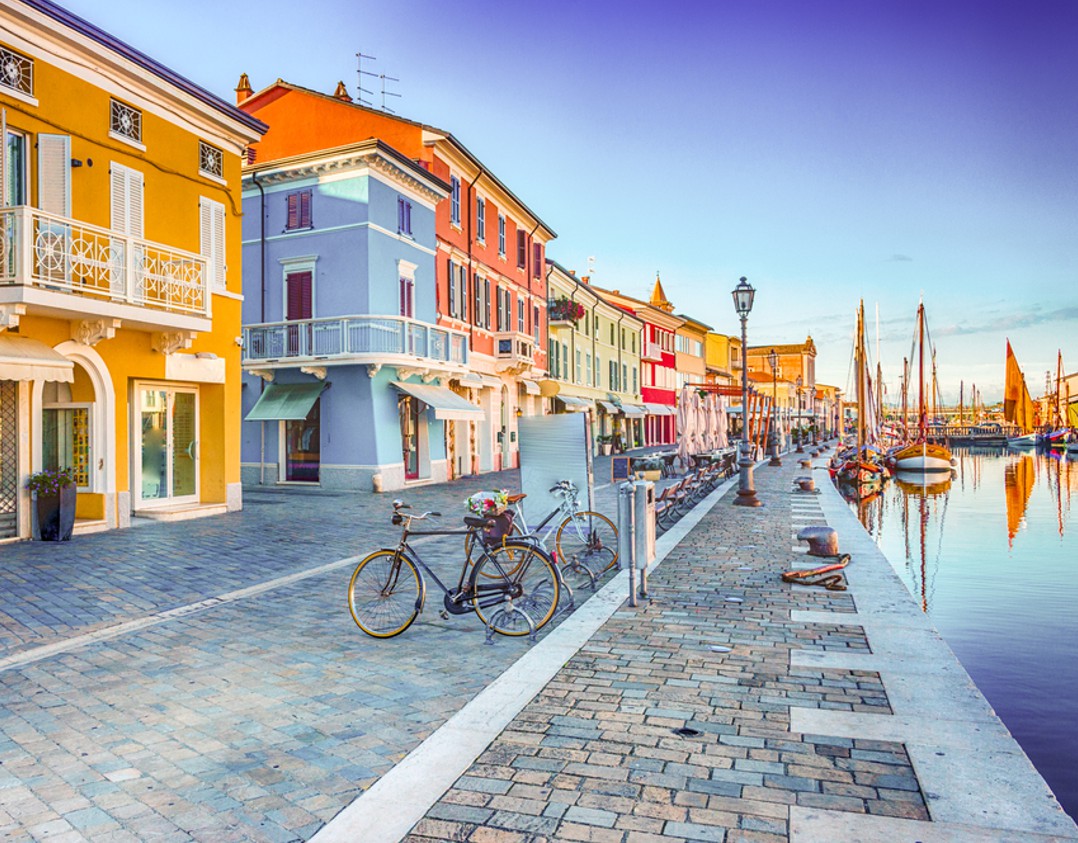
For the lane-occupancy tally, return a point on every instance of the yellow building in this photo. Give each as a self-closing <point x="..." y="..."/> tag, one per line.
<point x="690" y="351"/>
<point x="594" y="359"/>
<point x="119" y="276"/>
<point x="722" y="356"/>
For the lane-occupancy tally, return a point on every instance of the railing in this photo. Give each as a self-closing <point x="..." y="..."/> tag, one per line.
<point x="51" y="252"/>
<point x="652" y="352"/>
<point x="349" y="336"/>
<point x="510" y="345"/>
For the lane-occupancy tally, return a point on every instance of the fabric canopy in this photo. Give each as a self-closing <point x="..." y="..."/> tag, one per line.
<point x="613" y="409"/>
<point x="446" y="404"/>
<point x="631" y="411"/>
<point x="285" y="402"/>
<point x="25" y="359"/>
<point x="478" y="381"/>
<point x="531" y="387"/>
<point x="661" y="410"/>
<point x="574" y="404"/>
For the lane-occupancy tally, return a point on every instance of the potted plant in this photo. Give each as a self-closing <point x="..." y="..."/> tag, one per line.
<point x="648" y="468"/>
<point x="54" y="490"/>
<point x="565" y="310"/>
<point x="606" y="443"/>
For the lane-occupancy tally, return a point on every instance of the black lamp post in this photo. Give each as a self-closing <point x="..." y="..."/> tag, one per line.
<point x="800" y="435"/>
<point x="743" y="295"/>
<point x="812" y="401"/>
<point x="773" y="360"/>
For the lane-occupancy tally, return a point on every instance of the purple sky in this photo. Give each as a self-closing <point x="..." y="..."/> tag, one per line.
<point x="826" y="150"/>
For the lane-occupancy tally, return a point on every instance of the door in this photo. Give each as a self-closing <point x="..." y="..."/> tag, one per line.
<point x="408" y="408"/>
<point x="167" y="452"/>
<point x="299" y="306"/>
<point x="9" y="452"/>
<point x="303" y="447"/>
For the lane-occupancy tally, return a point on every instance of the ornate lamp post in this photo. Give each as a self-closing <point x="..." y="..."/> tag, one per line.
<point x="773" y="361"/>
<point x="743" y="295"/>
<point x="800" y="436"/>
<point x="812" y="401"/>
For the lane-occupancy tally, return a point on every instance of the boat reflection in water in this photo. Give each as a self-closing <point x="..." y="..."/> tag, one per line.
<point x="990" y="552"/>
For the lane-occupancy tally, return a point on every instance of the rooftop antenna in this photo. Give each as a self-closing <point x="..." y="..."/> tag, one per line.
<point x="360" y="73"/>
<point x="591" y="265"/>
<point x="386" y="93"/>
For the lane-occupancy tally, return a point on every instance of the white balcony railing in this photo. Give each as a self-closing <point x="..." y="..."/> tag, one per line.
<point x="514" y="348"/>
<point x="39" y="249"/>
<point x="652" y="352"/>
<point x="370" y="339"/>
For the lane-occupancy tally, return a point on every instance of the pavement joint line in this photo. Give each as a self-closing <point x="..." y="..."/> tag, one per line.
<point x="380" y="815"/>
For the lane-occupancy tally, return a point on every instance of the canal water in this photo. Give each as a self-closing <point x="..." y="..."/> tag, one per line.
<point x="991" y="554"/>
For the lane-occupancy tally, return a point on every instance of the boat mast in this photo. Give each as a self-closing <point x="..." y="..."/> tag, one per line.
<point x="1059" y="388"/>
<point x="922" y="417"/>
<point x="861" y="378"/>
<point x="961" y="403"/>
<point x="905" y="400"/>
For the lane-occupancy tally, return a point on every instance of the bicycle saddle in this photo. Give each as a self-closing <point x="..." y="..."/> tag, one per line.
<point x="515" y="498"/>
<point x="472" y="521"/>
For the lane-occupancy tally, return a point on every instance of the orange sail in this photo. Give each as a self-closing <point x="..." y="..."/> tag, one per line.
<point x="1017" y="403"/>
<point x="1018" y="483"/>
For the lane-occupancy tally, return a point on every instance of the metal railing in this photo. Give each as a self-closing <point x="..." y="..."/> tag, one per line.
<point x="52" y="252"/>
<point x="349" y="336"/>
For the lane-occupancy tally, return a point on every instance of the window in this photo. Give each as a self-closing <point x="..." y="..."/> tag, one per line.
<point x="613" y="375"/>
<point x="612" y="333"/>
<point x="624" y="376"/>
<point x="125" y="199"/>
<point x="125" y="121"/>
<point x="635" y="390"/>
<point x="578" y="368"/>
<point x="299" y="210"/>
<point x="451" y="287"/>
<point x="211" y="161"/>
<point x="565" y="360"/>
<point x="404" y="217"/>
<point x="454" y="200"/>
<point x="211" y="218"/>
<point x="65" y="441"/>
<point x="462" y="289"/>
<point x="522" y="248"/>
<point x="407" y="297"/>
<point x="481" y="219"/>
<point x="501" y="308"/>
<point x="477" y="301"/>
<point x="596" y="326"/>
<point x="486" y="302"/>
<point x="16" y="71"/>
<point x="501" y="235"/>
<point x="535" y="322"/>
<point x="299" y="301"/>
<point x="537" y="260"/>
<point x="634" y="346"/>
<point x="15" y="170"/>
<point x="552" y="353"/>
<point x="598" y="371"/>
<point x="520" y="315"/>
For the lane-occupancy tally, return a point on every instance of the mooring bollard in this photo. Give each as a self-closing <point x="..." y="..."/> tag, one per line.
<point x="644" y="529"/>
<point x="626" y="545"/>
<point x="822" y="541"/>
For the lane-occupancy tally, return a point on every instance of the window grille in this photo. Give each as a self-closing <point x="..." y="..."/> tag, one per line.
<point x="16" y="72"/>
<point x="211" y="160"/>
<point x="125" y="121"/>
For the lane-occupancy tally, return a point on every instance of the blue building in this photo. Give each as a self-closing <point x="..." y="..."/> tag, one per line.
<point x="345" y="368"/>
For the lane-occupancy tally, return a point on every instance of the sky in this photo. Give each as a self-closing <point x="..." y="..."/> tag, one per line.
<point x="828" y="151"/>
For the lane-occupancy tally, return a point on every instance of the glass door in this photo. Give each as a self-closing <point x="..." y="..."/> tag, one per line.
<point x="408" y="407"/>
<point x="168" y="450"/>
<point x="303" y="447"/>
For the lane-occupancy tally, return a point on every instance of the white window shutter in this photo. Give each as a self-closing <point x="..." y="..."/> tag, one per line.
<point x="54" y="173"/>
<point x="134" y="204"/>
<point x="211" y="226"/>
<point x="118" y="198"/>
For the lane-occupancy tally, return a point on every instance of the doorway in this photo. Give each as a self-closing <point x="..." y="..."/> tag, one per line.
<point x="303" y="447"/>
<point x="166" y="458"/>
<point x="408" y="409"/>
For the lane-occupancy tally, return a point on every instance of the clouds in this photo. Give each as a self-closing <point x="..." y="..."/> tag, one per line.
<point x="897" y="258"/>
<point x="1004" y="322"/>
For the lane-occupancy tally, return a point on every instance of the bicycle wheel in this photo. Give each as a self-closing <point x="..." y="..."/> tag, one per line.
<point x="510" y="579"/>
<point x="588" y="539"/>
<point x="470" y="542"/>
<point x="385" y="594"/>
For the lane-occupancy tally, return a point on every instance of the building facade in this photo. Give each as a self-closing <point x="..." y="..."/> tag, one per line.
<point x="489" y="265"/>
<point x="594" y="354"/>
<point x="690" y="356"/>
<point x="722" y="355"/>
<point x="658" y="364"/>
<point x="346" y="368"/>
<point x="120" y="282"/>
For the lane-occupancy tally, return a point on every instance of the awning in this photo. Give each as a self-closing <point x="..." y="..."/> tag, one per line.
<point x="661" y="409"/>
<point x="285" y="402"/>
<point x="632" y="411"/>
<point x="613" y="409"/>
<point x="478" y="381"/>
<point x="531" y="387"/>
<point x="26" y="359"/>
<point x="574" y="404"/>
<point x="447" y="405"/>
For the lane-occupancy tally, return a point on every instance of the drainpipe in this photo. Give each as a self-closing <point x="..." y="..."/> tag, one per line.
<point x="471" y="277"/>
<point x="617" y="345"/>
<point x="262" y="316"/>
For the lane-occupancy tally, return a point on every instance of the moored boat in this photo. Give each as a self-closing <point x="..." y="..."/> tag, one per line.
<point x="923" y="456"/>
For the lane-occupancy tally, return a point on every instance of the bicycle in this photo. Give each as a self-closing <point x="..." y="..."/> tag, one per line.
<point x="585" y="542"/>
<point x="513" y="587"/>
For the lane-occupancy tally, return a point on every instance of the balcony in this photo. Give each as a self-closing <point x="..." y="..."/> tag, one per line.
<point x="513" y="352"/>
<point x="56" y="266"/>
<point x="652" y="353"/>
<point x="374" y="341"/>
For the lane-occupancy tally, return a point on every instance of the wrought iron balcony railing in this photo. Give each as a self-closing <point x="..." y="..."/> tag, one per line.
<point x="51" y="252"/>
<point x="368" y="339"/>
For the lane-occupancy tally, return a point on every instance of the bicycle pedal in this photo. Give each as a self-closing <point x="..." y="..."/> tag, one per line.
<point x="444" y="615"/>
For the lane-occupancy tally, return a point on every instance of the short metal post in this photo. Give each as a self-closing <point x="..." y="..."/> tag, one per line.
<point x="626" y="545"/>
<point x="643" y="512"/>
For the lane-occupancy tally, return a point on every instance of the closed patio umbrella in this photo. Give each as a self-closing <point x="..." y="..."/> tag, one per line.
<point x="723" y="422"/>
<point x="684" y="424"/>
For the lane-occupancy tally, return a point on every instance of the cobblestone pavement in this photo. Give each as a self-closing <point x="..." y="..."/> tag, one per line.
<point x="253" y="719"/>
<point x="672" y="723"/>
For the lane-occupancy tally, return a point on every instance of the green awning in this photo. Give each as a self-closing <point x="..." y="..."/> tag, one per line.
<point x="285" y="402"/>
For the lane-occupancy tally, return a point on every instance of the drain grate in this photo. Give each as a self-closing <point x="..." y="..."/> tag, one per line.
<point x="687" y="732"/>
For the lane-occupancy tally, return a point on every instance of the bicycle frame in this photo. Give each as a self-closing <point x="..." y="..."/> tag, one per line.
<point x="568" y="507"/>
<point x="404" y="548"/>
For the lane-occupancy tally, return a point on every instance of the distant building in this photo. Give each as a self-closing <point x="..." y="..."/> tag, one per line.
<point x="120" y="282"/>
<point x="690" y="357"/>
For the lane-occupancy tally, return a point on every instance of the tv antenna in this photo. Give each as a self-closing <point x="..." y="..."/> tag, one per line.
<point x="591" y="265"/>
<point x="386" y="93"/>
<point x="360" y="73"/>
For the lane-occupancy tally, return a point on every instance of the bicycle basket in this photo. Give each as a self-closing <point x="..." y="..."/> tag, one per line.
<point x="500" y="527"/>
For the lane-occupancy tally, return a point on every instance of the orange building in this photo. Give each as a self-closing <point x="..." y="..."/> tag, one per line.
<point x="490" y="262"/>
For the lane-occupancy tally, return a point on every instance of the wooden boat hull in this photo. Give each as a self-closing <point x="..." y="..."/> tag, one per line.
<point x="923" y="456"/>
<point x="1027" y="441"/>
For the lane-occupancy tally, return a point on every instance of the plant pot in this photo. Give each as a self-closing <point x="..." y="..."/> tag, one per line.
<point x="650" y="474"/>
<point x="56" y="515"/>
<point x="607" y="448"/>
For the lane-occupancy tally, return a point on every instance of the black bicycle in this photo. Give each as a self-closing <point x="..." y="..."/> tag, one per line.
<point x="512" y="586"/>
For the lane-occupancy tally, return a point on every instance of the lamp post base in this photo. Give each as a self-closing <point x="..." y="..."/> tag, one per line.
<point x="746" y="493"/>
<point x="775" y="461"/>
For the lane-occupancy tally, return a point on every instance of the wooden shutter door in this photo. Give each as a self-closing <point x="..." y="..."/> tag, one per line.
<point x="299" y="296"/>
<point x="53" y="173"/>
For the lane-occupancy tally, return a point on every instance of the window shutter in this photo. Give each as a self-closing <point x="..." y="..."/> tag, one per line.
<point x="3" y="157"/>
<point x="486" y="302"/>
<point x="299" y="296"/>
<point x="53" y="173"/>
<point x="118" y="198"/>
<point x="212" y="232"/>
<point x="536" y="255"/>
<point x="134" y="204"/>
<point x="451" y="283"/>
<point x="522" y="247"/>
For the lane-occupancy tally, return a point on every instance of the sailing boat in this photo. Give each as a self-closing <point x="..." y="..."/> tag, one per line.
<point x="922" y="455"/>
<point x="1017" y="403"/>
<point x="1060" y="435"/>
<point x="859" y="472"/>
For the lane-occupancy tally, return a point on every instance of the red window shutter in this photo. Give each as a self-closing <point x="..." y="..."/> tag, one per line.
<point x="522" y="248"/>
<point x="299" y="296"/>
<point x="537" y="258"/>
<point x="293" y="211"/>
<point x="305" y="209"/>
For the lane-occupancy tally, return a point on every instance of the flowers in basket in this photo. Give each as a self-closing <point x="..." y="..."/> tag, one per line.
<point x="488" y="503"/>
<point x="566" y="309"/>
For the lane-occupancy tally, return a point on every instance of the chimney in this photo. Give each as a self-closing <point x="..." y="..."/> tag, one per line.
<point x="585" y="279"/>
<point x="243" y="89"/>
<point x="341" y="93"/>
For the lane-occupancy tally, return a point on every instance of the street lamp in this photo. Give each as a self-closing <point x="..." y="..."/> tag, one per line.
<point x="800" y="436"/>
<point x="773" y="360"/>
<point x="743" y="295"/>
<point x="812" y="400"/>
